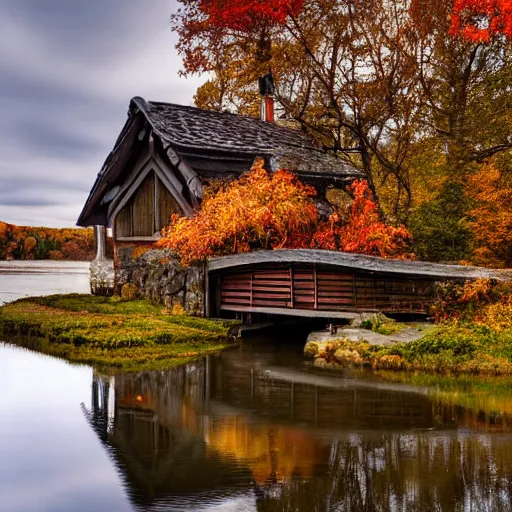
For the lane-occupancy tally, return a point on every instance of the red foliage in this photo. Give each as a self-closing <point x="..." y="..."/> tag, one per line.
<point x="480" y="20"/>
<point x="244" y="15"/>
<point x="364" y="232"/>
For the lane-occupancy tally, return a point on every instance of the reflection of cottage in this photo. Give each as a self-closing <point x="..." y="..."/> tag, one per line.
<point x="165" y="155"/>
<point x="152" y="428"/>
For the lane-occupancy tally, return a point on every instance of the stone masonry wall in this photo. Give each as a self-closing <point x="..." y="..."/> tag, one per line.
<point x="157" y="275"/>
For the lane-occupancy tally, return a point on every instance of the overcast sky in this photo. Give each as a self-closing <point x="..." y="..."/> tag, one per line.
<point x="68" y="69"/>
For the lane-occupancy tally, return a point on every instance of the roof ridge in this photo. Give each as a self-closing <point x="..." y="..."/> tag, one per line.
<point x="142" y="103"/>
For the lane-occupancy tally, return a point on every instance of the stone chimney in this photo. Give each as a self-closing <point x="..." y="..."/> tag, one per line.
<point x="267" y="90"/>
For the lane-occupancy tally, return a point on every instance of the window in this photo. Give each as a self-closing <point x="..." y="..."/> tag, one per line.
<point x="147" y="211"/>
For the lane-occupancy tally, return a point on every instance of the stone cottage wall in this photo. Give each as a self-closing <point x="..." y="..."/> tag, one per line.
<point x="156" y="274"/>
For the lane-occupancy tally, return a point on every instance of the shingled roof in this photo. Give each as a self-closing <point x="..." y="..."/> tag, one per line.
<point x="205" y="145"/>
<point x="195" y="132"/>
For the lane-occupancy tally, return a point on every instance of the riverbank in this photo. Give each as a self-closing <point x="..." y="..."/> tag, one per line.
<point x="110" y="332"/>
<point x="448" y="348"/>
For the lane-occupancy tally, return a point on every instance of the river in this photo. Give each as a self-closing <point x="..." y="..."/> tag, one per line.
<point x="254" y="429"/>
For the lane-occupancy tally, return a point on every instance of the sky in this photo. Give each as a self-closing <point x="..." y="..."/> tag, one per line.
<point x="68" y="69"/>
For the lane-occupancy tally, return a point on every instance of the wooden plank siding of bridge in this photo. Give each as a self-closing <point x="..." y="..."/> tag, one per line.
<point x="326" y="284"/>
<point x="321" y="290"/>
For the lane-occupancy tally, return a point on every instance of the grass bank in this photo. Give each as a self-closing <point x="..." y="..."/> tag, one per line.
<point x="109" y="332"/>
<point x="450" y="347"/>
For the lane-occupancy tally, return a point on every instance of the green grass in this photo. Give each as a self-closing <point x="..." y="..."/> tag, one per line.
<point x="108" y="331"/>
<point x="383" y="325"/>
<point x="446" y="348"/>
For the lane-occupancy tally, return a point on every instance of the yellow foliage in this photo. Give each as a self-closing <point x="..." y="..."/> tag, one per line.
<point x="140" y="251"/>
<point x="497" y="316"/>
<point x="129" y="291"/>
<point x="177" y="310"/>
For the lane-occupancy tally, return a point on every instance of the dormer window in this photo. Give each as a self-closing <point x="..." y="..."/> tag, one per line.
<point x="146" y="212"/>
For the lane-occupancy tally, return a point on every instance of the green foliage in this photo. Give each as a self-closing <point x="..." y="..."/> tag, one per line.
<point x="381" y="324"/>
<point x="109" y="331"/>
<point x="439" y="228"/>
<point x="458" y="344"/>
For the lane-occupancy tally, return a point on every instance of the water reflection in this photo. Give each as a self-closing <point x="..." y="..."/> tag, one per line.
<point x="279" y="439"/>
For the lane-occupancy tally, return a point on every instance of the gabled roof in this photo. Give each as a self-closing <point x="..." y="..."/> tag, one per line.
<point x="204" y="144"/>
<point x="196" y="132"/>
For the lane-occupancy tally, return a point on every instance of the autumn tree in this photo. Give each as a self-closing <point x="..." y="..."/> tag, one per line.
<point x="464" y="87"/>
<point x="364" y="231"/>
<point x="26" y="242"/>
<point x="490" y="215"/>
<point x="341" y="75"/>
<point x="418" y="98"/>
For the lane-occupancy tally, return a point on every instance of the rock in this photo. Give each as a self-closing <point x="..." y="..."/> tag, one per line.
<point x="347" y="356"/>
<point x="311" y="348"/>
<point x="129" y="291"/>
<point x="101" y="276"/>
<point x="159" y="276"/>
<point x="322" y="363"/>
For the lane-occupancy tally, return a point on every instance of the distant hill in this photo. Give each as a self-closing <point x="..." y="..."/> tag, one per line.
<point x="36" y="243"/>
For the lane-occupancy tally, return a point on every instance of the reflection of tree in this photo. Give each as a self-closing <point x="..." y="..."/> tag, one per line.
<point x="193" y="434"/>
<point x="412" y="472"/>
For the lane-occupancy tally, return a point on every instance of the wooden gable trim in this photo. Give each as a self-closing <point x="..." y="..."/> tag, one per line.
<point x="141" y="163"/>
<point x="172" y="183"/>
<point x="152" y="163"/>
<point x="151" y="166"/>
<point x="191" y="177"/>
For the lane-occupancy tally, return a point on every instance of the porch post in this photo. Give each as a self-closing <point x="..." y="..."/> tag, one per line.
<point x="101" y="241"/>
<point x="101" y="271"/>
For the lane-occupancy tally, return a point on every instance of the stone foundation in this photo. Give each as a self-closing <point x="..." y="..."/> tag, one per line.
<point x="157" y="275"/>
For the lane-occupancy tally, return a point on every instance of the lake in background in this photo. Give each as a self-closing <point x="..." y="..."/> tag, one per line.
<point x="255" y="429"/>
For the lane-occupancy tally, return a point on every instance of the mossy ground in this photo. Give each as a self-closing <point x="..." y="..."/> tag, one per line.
<point x="109" y="332"/>
<point x="447" y="348"/>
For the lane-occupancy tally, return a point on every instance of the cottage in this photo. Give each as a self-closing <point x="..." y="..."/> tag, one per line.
<point x="162" y="160"/>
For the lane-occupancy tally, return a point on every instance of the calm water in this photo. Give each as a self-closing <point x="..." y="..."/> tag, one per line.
<point x="252" y="430"/>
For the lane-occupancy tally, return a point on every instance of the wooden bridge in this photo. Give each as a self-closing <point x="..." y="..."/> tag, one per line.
<point x="330" y="284"/>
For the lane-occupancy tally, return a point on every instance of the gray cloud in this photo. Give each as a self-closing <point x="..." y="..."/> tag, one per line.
<point x="66" y="78"/>
<point x="26" y="201"/>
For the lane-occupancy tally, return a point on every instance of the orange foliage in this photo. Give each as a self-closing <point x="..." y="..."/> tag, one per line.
<point x="25" y="242"/>
<point x="480" y="20"/>
<point x="491" y="216"/>
<point x="270" y="212"/>
<point x="255" y="212"/>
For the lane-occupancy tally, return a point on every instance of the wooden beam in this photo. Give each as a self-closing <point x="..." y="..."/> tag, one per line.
<point x="307" y="313"/>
